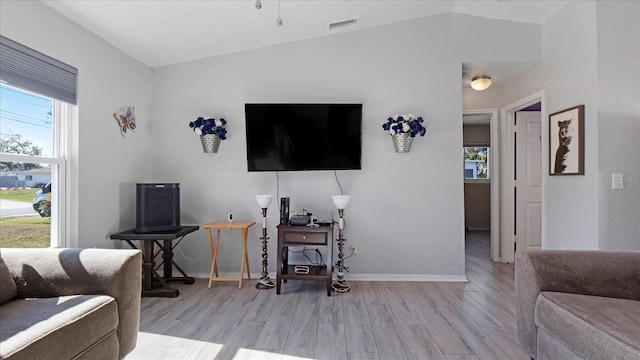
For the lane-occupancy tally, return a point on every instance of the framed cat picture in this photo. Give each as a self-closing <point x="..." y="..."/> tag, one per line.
<point x="566" y="142"/>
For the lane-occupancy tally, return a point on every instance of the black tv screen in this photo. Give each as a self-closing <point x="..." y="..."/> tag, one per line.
<point x="289" y="137"/>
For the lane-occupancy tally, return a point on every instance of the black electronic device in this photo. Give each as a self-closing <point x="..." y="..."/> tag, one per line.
<point x="284" y="211"/>
<point x="157" y="207"/>
<point x="300" y="220"/>
<point x="288" y="137"/>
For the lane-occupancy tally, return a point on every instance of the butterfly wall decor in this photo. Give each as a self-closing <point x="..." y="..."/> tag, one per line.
<point x="126" y="120"/>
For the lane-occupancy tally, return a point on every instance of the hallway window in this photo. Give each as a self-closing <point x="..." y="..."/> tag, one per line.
<point x="476" y="163"/>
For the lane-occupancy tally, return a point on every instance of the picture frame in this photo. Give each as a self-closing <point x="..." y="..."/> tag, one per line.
<point x="566" y="142"/>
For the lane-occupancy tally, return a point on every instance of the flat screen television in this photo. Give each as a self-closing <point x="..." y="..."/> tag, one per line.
<point x="157" y="207"/>
<point x="291" y="137"/>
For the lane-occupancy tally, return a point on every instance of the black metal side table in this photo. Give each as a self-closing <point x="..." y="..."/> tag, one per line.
<point x="152" y="283"/>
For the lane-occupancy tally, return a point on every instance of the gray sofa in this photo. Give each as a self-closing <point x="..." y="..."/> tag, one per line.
<point x="578" y="304"/>
<point x="69" y="303"/>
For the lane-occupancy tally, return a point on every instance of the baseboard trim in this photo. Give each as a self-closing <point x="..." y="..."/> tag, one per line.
<point x="365" y="277"/>
<point x="407" y="277"/>
<point x="479" y="228"/>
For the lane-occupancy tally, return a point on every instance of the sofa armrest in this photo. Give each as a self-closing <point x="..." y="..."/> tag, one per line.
<point x="59" y="272"/>
<point x="598" y="273"/>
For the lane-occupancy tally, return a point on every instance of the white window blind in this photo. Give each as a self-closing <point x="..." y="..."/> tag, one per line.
<point x="31" y="70"/>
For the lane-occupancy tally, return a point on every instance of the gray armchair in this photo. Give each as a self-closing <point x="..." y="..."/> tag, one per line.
<point x="578" y="304"/>
<point x="69" y="303"/>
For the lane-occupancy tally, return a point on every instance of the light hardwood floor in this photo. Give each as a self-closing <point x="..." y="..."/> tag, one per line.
<point x="376" y="320"/>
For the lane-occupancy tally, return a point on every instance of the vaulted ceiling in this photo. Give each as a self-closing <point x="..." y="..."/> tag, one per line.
<point x="162" y="32"/>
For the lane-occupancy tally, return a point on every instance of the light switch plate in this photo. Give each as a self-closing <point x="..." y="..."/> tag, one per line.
<point x="617" y="181"/>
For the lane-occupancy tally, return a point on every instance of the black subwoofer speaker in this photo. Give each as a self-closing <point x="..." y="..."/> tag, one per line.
<point x="157" y="207"/>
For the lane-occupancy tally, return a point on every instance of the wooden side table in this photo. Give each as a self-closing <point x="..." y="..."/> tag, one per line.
<point x="225" y="225"/>
<point x="301" y="236"/>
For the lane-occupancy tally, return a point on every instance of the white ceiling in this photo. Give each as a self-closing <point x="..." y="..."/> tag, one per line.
<point x="163" y="32"/>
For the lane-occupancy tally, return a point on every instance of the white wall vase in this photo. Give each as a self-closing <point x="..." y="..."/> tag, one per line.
<point x="402" y="142"/>
<point x="210" y="143"/>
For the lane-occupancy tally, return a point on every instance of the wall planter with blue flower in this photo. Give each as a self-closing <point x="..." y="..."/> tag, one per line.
<point x="403" y="128"/>
<point x="211" y="132"/>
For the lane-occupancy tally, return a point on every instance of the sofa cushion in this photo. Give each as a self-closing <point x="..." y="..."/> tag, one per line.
<point x="593" y="327"/>
<point x="55" y="328"/>
<point x="8" y="288"/>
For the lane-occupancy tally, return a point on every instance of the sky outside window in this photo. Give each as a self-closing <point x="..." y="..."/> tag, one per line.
<point x="28" y="115"/>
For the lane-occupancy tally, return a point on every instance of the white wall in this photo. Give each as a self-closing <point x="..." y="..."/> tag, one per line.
<point x="406" y="212"/>
<point x="619" y="122"/>
<point x="490" y="98"/>
<point x="568" y="75"/>
<point x="106" y="165"/>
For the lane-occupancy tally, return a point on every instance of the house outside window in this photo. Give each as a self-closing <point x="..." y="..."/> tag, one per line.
<point x="32" y="146"/>
<point x="476" y="163"/>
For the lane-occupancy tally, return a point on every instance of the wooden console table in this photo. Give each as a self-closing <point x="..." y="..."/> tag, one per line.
<point x="225" y="225"/>
<point x="301" y="236"/>
<point x="149" y="269"/>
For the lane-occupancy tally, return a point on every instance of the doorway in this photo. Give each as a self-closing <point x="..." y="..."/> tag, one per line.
<point x="521" y="162"/>
<point x="479" y="159"/>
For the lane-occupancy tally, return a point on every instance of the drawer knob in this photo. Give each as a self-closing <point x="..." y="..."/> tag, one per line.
<point x="304" y="237"/>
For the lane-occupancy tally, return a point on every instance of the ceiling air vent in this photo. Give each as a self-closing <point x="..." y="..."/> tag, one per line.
<point x="342" y="24"/>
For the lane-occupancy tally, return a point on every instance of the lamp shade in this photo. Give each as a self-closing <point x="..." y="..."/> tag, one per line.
<point x="341" y="201"/>
<point x="480" y="82"/>
<point x="264" y="200"/>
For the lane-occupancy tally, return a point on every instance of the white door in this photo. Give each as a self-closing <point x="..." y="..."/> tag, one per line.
<point x="528" y="176"/>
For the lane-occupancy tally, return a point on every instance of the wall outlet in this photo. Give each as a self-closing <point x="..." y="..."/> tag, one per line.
<point x="617" y="181"/>
<point x="354" y="249"/>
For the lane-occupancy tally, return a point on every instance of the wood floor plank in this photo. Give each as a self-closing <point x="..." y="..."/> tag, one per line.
<point x="402" y="308"/>
<point x="434" y="295"/>
<point x="374" y="291"/>
<point x="311" y="292"/>
<point x="390" y="343"/>
<point x="225" y="322"/>
<point x="448" y="340"/>
<point x="471" y="308"/>
<point x="362" y="356"/>
<point x="420" y="342"/>
<point x="276" y="327"/>
<point x="462" y="357"/>
<point x="248" y="292"/>
<point x="507" y="341"/>
<point x="331" y="311"/>
<point x="301" y="341"/>
<point x="502" y="313"/>
<point x="481" y="344"/>
<point x="243" y="338"/>
<point x="357" y="324"/>
<point x="331" y="342"/>
<point x="261" y="306"/>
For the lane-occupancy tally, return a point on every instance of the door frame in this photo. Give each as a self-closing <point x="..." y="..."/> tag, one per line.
<point x="507" y="161"/>
<point x="494" y="171"/>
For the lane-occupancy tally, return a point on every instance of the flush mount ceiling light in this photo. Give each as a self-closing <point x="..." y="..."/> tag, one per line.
<point x="481" y="82"/>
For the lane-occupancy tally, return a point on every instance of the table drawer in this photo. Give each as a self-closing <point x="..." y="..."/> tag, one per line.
<point x="305" y="237"/>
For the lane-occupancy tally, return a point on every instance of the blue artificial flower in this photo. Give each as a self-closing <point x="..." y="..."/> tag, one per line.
<point x="204" y="126"/>
<point x="407" y="123"/>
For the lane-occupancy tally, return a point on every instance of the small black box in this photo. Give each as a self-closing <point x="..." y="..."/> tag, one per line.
<point x="284" y="211"/>
<point x="300" y="220"/>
